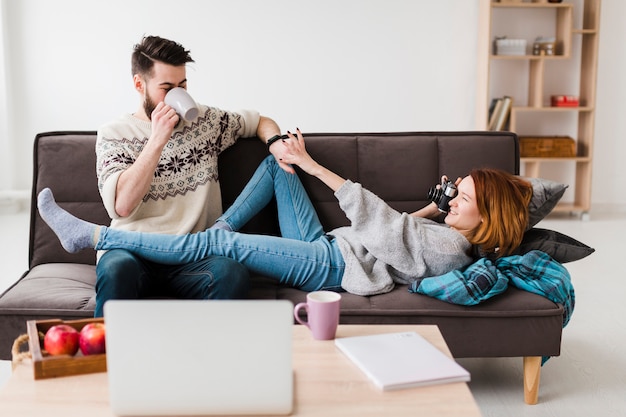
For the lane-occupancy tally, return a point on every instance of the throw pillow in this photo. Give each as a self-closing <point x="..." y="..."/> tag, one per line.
<point x="560" y="247"/>
<point x="546" y="194"/>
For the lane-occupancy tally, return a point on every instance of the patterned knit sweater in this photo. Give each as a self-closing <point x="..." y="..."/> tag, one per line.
<point x="184" y="196"/>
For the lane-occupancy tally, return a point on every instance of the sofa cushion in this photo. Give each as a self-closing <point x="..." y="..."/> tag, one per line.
<point x="65" y="162"/>
<point x="48" y="291"/>
<point x="560" y="247"/>
<point x="546" y="194"/>
<point x="54" y="290"/>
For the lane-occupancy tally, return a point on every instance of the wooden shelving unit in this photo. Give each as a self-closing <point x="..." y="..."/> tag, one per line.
<point x="575" y="26"/>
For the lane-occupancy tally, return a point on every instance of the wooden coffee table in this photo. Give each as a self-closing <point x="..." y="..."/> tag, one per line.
<point x="326" y="384"/>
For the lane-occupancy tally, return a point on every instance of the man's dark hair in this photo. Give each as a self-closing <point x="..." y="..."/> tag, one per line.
<point x="155" y="48"/>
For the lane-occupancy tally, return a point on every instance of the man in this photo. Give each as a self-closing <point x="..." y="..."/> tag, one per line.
<point x="158" y="173"/>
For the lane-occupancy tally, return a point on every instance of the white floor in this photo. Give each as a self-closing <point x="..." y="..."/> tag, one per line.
<point x="589" y="378"/>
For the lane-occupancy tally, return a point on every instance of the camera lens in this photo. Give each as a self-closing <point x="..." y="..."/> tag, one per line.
<point x="434" y="194"/>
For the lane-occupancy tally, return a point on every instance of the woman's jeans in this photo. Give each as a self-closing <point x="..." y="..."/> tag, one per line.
<point x="304" y="257"/>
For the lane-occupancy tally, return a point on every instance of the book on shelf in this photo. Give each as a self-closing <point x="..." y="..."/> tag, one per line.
<point x="494" y="110"/>
<point x="499" y="116"/>
<point x="401" y="360"/>
<point x="492" y="106"/>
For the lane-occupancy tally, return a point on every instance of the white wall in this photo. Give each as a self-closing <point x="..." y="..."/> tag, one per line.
<point x="325" y="65"/>
<point x="609" y="175"/>
<point x="6" y="145"/>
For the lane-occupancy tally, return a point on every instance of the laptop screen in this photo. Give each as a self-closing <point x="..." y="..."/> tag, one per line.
<point x="194" y="357"/>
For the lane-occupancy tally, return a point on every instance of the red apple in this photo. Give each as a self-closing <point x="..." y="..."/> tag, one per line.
<point x="92" y="339"/>
<point x="61" y="339"/>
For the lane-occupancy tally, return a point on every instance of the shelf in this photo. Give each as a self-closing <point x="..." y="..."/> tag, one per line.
<point x="563" y="24"/>
<point x="574" y="65"/>
<point x="529" y="57"/>
<point x="559" y="159"/>
<point x="552" y="109"/>
<point x="584" y="31"/>
<point x="521" y="5"/>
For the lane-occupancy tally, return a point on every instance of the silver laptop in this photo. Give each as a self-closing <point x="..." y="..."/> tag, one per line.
<point x="184" y="357"/>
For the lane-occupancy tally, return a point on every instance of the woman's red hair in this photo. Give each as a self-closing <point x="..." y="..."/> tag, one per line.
<point x="502" y="200"/>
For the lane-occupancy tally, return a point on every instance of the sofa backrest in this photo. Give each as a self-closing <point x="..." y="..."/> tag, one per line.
<point x="398" y="167"/>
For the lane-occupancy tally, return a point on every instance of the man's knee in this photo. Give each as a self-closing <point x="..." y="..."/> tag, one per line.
<point x="117" y="259"/>
<point x="118" y="268"/>
<point x="232" y="279"/>
<point x="118" y="276"/>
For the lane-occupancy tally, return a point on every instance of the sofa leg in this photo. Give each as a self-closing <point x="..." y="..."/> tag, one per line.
<point x="532" y="373"/>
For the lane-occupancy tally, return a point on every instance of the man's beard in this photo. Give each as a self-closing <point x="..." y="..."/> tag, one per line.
<point x="148" y="106"/>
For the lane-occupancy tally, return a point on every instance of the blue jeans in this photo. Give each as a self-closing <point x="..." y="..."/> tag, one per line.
<point x="121" y="274"/>
<point x="304" y="257"/>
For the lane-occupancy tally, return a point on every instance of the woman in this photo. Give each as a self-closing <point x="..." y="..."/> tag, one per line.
<point x="381" y="247"/>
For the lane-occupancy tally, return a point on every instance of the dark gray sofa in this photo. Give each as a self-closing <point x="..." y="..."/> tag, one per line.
<point x="399" y="167"/>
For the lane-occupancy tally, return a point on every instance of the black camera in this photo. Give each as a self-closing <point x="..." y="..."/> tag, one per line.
<point x="442" y="194"/>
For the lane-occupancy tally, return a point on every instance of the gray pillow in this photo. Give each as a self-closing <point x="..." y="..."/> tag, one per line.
<point x="560" y="247"/>
<point x="546" y="194"/>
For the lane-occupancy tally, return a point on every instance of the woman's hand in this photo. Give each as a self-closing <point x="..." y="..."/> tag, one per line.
<point x="278" y="149"/>
<point x="296" y="154"/>
<point x="428" y="212"/>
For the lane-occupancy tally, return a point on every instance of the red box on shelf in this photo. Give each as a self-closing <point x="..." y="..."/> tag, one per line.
<point x="564" y="101"/>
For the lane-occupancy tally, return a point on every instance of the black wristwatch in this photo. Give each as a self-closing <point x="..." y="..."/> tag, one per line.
<point x="273" y="139"/>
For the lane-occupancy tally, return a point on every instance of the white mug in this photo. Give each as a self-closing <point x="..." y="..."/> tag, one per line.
<point x="180" y="100"/>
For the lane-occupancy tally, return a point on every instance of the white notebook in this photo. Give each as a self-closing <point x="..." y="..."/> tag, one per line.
<point x="401" y="360"/>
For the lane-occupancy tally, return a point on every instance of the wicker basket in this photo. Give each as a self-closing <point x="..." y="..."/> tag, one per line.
<point x="547" y="147"/>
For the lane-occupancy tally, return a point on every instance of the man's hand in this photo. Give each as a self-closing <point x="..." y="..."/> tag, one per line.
<point x="134" y="183"/>
<point x="278" y="149"/>
<point x="164" y="120"/>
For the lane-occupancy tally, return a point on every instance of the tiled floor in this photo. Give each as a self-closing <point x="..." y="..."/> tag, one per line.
<point x="588" y="378"/>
